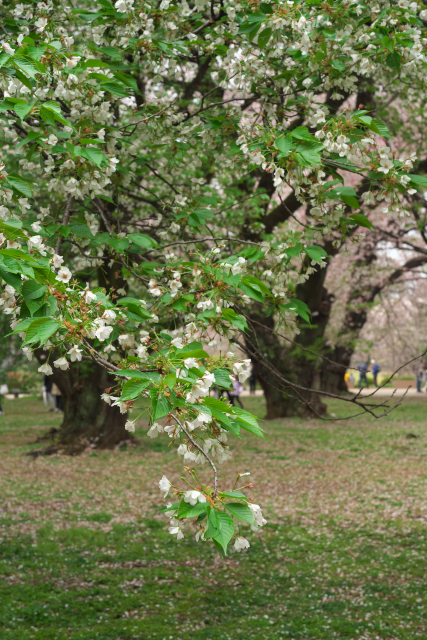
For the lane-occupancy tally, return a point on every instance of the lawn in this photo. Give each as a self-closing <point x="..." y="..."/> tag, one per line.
<point x="85" y="553"/>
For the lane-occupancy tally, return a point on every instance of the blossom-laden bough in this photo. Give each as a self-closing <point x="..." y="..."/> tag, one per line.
<point x="134" y="134"/>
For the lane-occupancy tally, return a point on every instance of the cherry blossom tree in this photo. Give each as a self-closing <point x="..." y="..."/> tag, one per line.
<point x="154" y="158"/>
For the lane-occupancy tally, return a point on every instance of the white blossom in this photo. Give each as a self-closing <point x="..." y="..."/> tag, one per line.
<point x="164" y="486"/>
<point x="61" y="363"/>
<point x="46" y="368"/>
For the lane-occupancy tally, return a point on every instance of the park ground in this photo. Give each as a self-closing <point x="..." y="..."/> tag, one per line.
<point x="85" y="553"/>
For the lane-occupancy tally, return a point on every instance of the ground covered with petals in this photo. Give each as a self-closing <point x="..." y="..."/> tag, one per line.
<point x="85" y="552"/>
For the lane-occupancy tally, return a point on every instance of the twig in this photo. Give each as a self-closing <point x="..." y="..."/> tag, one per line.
<point x="161" y="178"/>
<point x="145" y="120"/>
<point x="103" y="216"/>
<point x="195" y="240"/>
<point x="202" y="452"/>
<point x="65" y="220"/>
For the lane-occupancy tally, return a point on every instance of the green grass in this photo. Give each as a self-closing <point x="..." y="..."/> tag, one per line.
<point x="85" y="554"/>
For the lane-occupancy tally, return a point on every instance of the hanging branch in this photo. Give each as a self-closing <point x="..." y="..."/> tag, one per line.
<point x="181" y="426"/>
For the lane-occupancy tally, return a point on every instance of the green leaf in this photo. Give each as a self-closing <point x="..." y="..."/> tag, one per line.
<point x="25" y="65"/>
<point x="179" y="305"/>
<point x="133" y="388"/>
<point x="233" y="494"/>
<point x="55" y="44"/>
<point x="302" y="133"/>
<point x="35" y="52"/>
<point x="284" y="145"/>
<point x="96" y="156"/>
<point x="361" y="220"/>
<point x="186" y="510"/>
<point x="315" y="253"/>
<point x="116" y="88"/>
<point x="214" y="403"/>
<point x="141" y="240"/>
<point x="365" y="119"/>
<point x="393" y="60"/>
<point x="20" y="185"/>
<point x="245" y="416"/>
<point x="198" y="353"/>
<point x="222" y="378"/>
<point x="53" y="106"/>
<point x="309" y="150"/>
<point x="4" y="57"/>
<point x="10" y="278"/>
<point x="170" y="380"/>
<point x="225" y="421"/>
<point x="192" y="346"/>
<point x="128" y="300"/>
<point x="342" y="190"/>
<point x="129" y="81"/>
<point x="421" y="180"/>
<point x="257" y="431"/>
<point x="226" y="530"/>
<point x="294" y="251"/>
<point x="81" y="230"/>
<point x="22" y="326"/>
<point x="161" y="406"/>
<point x="34" y="305"/>
<point x="257" y="16"/>
<point x="299" y="307"/>
<point x="22" y="110"/>
<point x="31" y="290"/>
<point x="241" y="511"/>
<point x="351" y="201"/>
<point x="47" y="116"/>
<point x="251" y="292"/>
<point x="17" y="253"/>
<point x="140" y="375"/>
<point x="264" y="37"/>
<point x="256" y="284"/>
<point x="213" y="524"/>
<point x="381" y="128"/>
<point x="235" y="319"/>
<point x="138" y="311"/>
<point x="41" y="330"/>
<point x="387" y="42"/>
<point x="248" y="422"/>
<point x="338" y="65"/>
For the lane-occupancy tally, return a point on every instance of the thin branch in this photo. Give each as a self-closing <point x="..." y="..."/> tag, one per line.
<point x="103" y="216"/>
<point x="173" y="244"/>
<point x="145" y="120"/>
<point x="161" y="178"/>
<point x="202" y="452"/>
<point x="65" y="220"/>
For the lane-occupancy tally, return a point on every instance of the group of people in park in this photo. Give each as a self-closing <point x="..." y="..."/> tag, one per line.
<point x="372" y="366"/>
<point x="363" y="369"/>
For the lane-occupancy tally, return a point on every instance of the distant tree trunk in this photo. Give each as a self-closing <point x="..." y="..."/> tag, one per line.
<point x="363" y="293"/>
<point x="332" y="373"/>
<point x="88" y="420"/>
<point x="296" y="365"/>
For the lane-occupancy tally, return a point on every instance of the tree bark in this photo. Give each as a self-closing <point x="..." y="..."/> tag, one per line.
<point x="88" y="420"/>
<point x="293" y="363"/>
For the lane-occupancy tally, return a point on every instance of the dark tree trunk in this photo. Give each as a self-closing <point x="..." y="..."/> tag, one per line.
<point x="293" y="363"/>
<point x="363" y="293"/>
<point x="332" y="373"/>
<point x="88" y="420"/>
